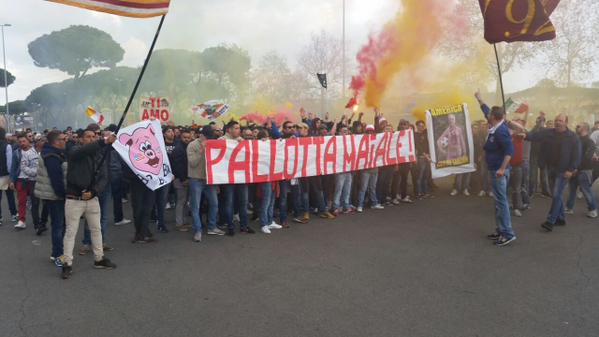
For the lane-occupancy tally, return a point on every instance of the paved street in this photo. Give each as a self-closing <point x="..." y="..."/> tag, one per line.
<point x="411" y="270"/>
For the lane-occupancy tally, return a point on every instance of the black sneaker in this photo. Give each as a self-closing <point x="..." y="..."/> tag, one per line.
<point x="162" y="230"/>
<point x="560" y="222"/>
<point x="41" y="230"/>
<point x="67" y="271"/>
<point x="495" y="236"/>
<point x="104" y="264"/>
<point x="230" y="232"/>
<point x="504" y="242"/>
<point x="248" y="230"/>
<point x="547" y="226"/>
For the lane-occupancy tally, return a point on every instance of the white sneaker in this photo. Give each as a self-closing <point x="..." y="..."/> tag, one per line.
<point x="168" y="206"/>
<point x="454" y="192"/>
<point x="359" y="209"/>
<point x="266" y="230"/>
<point x="569" y="211"/>
<point x="482" y="193"/>
<point x="396" y="201"/>
<point x="378" y="206"/>
<point x="124" y="201"/>
<point x="197" y="237"/>
<point x="215" y="231"/>
<point x="592" y="214"/>
<point x="579" y="195"/>
<point x="20" y="225"/>
<point x="236" y="218"/>
<point x="467" y="193"/>
<point x="491" y="195"/>
<point x="517" y="213"/>
<point x="122" y="222"/>
<point x="407" y="200"/>
<point x="274" y="225"/>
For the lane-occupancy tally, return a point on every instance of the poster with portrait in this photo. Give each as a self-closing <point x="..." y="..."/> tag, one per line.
<point x="141" y="146"/>
<point x="450" y="140"/>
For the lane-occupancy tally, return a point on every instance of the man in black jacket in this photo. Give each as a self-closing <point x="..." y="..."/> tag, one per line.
<point x="563" y="161"/>
<point x="5" y="165"/>
<point x="181" y="184"/>
<point x="583" y="176"/>
<point x="82" y="199"/>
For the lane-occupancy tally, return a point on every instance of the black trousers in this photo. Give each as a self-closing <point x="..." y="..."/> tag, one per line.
<point x="142" y="200"/>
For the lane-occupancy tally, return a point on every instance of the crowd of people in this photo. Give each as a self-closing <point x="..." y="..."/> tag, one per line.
<point x="63" y="176"/>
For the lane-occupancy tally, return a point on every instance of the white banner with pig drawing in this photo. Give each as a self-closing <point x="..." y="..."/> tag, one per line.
<point x="141" y="146"/>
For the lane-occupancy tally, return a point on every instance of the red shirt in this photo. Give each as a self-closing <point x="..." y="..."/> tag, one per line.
<point x="518" y="142"/>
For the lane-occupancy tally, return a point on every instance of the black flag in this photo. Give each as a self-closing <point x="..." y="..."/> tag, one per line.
<point x="323" y="80"/>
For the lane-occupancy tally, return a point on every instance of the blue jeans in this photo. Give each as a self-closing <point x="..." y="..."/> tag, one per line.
<point x="583" y="180"/>
<point x="116" y="187"/>
<point x="286" y="187"/>
<point x="267" y="204"/>
<point x="103" y="199"/>
<point x="197" y="189"/>
<point x="160" y="204"/>
<point x="234" y="193"/>
<point x="10" y="196"/>
<point x="317" y="193"/>
<point x="342" y="190"/>
<point x="385" y="183"/>
<point x="56" y="210"/>
<point x="368" y="179"/>
<point x="461" y="182"/>
<point x="525" y="182"/>
<point x="503" y="221"/>
<point x="423" y="169"/>
<point x="556" y="212"/>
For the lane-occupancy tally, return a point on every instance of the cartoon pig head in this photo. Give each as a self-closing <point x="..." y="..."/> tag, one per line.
<point x="144" y="150"/>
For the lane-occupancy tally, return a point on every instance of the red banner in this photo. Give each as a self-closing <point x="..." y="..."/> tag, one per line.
<point x="257" y="161"/>
<point x="518" y="20"/>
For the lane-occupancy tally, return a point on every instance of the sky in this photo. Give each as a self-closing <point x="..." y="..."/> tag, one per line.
<point x="258" y="26"/>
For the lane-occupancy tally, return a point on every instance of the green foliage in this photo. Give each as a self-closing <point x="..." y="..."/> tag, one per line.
<point x="186" y="77"/>
<point x="9" y="78"/>
<point x="75" y="50"/>
<point x="15" y="107"/>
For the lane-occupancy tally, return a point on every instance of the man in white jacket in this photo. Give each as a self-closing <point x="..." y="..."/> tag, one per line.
<point x="23" y="174"/>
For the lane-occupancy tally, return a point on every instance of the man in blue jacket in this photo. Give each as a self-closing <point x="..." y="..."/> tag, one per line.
<point x="50" y="187"/>
<point x="498" y="153"/>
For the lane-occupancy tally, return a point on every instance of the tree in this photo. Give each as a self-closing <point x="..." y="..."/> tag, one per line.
<point x="76" y="50"/>
<point x="272" y="77"/>
<point x="457" y="43"/>
<point x="324" y="54"/>
<point x="15" y="107"/>
<point x="9" y="77"/>
<point x="230" y="66"/>
<point x="571" y="56"/>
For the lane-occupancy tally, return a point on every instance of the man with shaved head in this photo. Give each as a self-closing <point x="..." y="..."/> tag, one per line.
<point x="584" y="175"/>
<point x="563" y="162"/>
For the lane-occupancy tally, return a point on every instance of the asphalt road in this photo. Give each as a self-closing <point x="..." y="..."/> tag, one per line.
<point x="412" y="270"/>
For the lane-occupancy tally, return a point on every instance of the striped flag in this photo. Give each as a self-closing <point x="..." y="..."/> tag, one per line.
<point x="96" y="117"/>
<point x="513" y="106"/>
<point x="131" y="8"/>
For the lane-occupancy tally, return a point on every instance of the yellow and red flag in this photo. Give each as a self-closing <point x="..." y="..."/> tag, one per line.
<point x="131" y="8"/>
<point x="518" y="20"/>
<point x="95" y="116"/>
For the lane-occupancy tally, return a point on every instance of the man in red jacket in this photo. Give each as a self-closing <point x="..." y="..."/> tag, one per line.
<point x="517" y="171"/>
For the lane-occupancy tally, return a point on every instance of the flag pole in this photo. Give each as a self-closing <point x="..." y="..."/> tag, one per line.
<point x="500" y="77"/>
<point x="141" y="74"/>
